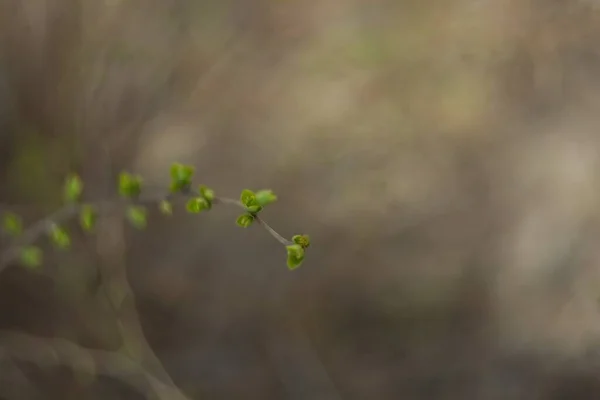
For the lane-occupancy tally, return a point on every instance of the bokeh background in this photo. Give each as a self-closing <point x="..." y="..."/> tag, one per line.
<point x="444" y="156"/>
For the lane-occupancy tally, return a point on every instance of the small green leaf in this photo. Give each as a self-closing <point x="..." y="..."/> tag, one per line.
<point x="129" y="185"/>
<point x="295" y="256"/>
<point x="197" y="204"/>
<point x="181" y="177"/>
<point x="137" y="216"/>
<point x="248" y="198"/>
<point x="12" y="224"/>
<point x="245" y="220"/>
<point x="207" y="193"/>
<point x="265" y="197"/>
<point x="60" y="237"/>
<point x="73" y="188"/>
<point x="88" y="217"/>
<point x="295" y="250"/>
<point x="302" y="240"/>
<point x="31" y="256"/>
<point x="254" y="209"/>
<point x="181" y="172"/>
<point x="166" y="207"/>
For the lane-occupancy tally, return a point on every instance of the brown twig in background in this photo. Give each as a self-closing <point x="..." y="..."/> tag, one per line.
<point x="55" y="352"/>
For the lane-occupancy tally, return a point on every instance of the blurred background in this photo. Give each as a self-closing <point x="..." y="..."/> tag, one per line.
<point x="443" y="155"/>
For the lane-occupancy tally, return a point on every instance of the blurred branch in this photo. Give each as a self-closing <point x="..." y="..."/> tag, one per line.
<point x="36" y="230"/>
<point x="14" y="384"/>
<point x="55" y="352"/>
<point x="115" y="285"/>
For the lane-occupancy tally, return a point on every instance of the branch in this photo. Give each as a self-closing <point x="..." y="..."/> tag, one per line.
<point x="67" y="212"/>
<point x="15" y="385"/>
<point x="130" y="188"/>
<point x="55" y="352"/>
<point x="147" y="378"/>
<point x="36" y="230"/>
<point x="262" y="222"/>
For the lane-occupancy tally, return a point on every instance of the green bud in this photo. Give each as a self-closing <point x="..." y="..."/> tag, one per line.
<point x="302" y="240"/>
<point x="207" y="193"/>
<point x="245" y="220"/>
<point x="250" y="201"/>
<point x="73" y="188"/>
<point x="181" y="177"/>
<point x="88" y="217"/>
<point x="295" y="256"/>
<point x="254" y="209"/>
<point x="197" y="205"/>
<point x="31" y="256"/>
<point x="129" y="185"/>
<point x="60" y="237"/>
<point x="137" y="216"/>
<point x="166" y="207"/>
<point x="12" y="224"/>
<point x="265" y="197"/>
<point x="248" y="198"/>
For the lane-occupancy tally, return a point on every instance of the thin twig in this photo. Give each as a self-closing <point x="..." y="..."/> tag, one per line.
<point x="69" y="211"/>
<point x="258" y="219"/>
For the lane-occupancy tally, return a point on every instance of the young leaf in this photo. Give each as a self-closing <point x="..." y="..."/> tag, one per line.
<point x="73" y="188"/>
<point x="181" y="177"/>
<point x="60" y="237"/>
<point x="12" y="224"/>
<point x="265" y="197"/>
<point x="197" y="204"/>
<point x="207" y="193"/>
<point x="180" y="172"/>
<point x="137" y="216"/>
<point x="129" y="185"/>
<point x="175" y="171"/>
<point x="248" y="198"/>
<point x="31" y="256"/>
<point x="302" y="240"/>
<point x="166" y="207"/>
<point x="88" y="217"/>
<point x="254" y="209"/>
<point x="245" y="220"/>
<point x="295" y="256"/>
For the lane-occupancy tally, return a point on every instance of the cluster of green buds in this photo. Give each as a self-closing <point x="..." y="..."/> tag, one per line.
<point x="295" y="252"/>
<point x="130" y="188"/>
<point x="254" y="203"/>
